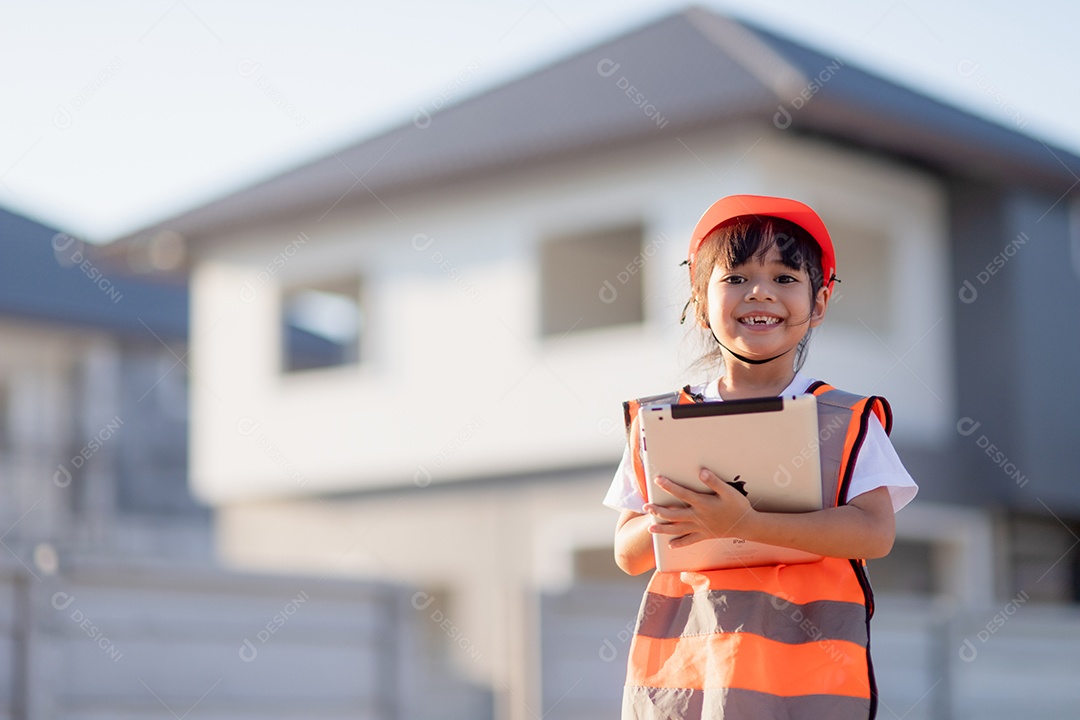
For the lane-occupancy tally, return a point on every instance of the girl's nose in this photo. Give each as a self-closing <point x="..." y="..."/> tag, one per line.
<point x="759" y="290"/>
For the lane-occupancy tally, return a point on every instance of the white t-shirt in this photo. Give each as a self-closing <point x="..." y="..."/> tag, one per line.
<point x="877" y="466"/>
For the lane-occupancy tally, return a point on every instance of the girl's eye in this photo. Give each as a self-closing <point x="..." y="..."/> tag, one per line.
<point x="732" y="279"/>
<point x="786" y="279"/>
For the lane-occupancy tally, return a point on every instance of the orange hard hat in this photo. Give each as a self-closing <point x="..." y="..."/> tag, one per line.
<point x="734" y="206"/>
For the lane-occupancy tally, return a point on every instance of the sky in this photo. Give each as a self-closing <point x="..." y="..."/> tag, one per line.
<point x="122" y="113"/>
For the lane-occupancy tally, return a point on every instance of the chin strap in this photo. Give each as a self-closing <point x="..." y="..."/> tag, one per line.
<point x="754" y="362"/>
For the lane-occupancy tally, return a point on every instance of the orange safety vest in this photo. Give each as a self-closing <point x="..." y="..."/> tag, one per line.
<point x="780" y="641"/>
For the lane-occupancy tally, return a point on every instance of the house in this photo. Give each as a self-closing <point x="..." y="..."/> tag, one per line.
<point x="93" y="401"/>
<point x="113" y="603"/>
<point x="408" y="357"/>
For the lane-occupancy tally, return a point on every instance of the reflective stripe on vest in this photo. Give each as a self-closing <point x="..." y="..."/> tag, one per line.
<point x="788" y="641"/>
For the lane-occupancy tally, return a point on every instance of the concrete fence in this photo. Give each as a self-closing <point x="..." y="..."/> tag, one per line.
<point x="107" y="642"/>
<point x="934" y="661"/>
<point x="103" y="642"/>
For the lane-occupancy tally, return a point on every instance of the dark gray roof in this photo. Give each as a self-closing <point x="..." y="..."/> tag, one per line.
<point x="696" y="69"/>
<point x="51" y="277"/>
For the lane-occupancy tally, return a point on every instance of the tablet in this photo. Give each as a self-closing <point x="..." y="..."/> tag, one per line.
<point x="766" y="447"/>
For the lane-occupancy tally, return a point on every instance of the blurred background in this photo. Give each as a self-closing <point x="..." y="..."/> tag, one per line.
<point x="316" y="321"/>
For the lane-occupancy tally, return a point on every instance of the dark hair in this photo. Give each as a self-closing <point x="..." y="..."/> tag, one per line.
<point x="736" y="242"/>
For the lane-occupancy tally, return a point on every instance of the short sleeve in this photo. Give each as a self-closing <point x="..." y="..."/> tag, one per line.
<point x="623" y="493"/>
<point x="878" y="465"/>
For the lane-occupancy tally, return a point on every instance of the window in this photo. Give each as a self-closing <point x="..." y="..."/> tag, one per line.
<point x="1044" y="561"/>
<point x="597" y="565"/>
<point x="591" y="280"/>
<point x="321" y="325"/>
<point x="911" y="568"/>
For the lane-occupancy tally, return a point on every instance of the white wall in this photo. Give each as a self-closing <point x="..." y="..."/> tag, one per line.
<point x="478" y="555"/>
<point x="455" y="380"/>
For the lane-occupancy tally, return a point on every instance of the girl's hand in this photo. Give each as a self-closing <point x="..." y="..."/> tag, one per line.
<point x="708" y="515"/>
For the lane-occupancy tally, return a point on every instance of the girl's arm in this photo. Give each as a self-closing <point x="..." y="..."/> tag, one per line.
<point x="864" y="528"/>
<point x="633" y="543"/>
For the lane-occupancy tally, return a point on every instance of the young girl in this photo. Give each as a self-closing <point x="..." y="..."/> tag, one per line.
<point x="782" y="641"/>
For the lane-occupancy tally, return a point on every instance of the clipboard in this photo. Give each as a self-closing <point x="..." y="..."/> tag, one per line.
<point x="766" y="447"/>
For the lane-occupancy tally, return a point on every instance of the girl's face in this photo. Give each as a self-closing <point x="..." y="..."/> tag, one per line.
<point x="761" y="309"/>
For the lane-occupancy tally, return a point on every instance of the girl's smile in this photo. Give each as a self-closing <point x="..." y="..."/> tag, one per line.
<point x="761" y="320"/>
